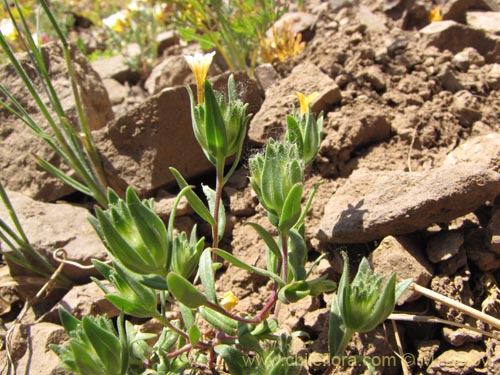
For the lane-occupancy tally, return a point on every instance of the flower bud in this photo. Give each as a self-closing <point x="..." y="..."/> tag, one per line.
<point x="186" y="254"/>
<point x="275" y="177"/>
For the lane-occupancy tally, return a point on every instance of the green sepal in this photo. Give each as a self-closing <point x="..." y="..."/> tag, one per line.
<point x="291" y="208"/>
<point x="214" y="124"/>
<point x="184" y="291"/>
<point x="106" y="345"/>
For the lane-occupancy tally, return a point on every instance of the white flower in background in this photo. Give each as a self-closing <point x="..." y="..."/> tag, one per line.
<point x="137" y="6"/>
<point x="8" y="29"/>
<point x="118" y="21"/>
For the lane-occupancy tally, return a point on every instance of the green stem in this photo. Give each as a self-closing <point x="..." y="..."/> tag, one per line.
<point x="284" y="255"/>
<point x="340" y="349"/>
<point x="218" y="197"/>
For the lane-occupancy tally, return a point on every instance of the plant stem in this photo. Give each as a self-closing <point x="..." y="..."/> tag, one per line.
<point x="284" y="256"/>
<point x="219" y="185"/>
<point x="457" y="305"/>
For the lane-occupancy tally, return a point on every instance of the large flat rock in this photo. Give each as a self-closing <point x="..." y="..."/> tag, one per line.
<point x="372" y="205"/>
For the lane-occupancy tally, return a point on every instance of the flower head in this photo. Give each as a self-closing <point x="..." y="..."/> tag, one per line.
<point x="435" y="15"/>
<point x="229" y="301"/>
<point x="118" y="21"/>
<point x="8" y="29"/>
<point x="199" y="64"/>
<point x="305" y="101"/>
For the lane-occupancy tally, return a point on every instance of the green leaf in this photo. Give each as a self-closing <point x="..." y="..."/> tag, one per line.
<point x="219" y="321"/>
<point x="184" y="291"/>
<point x="214" y="124"/>
<point x="193" y="199"/>
<point x="401" y="287"/>
<point x="154" y="282"/>
<point x="207" y="275"/>
<point x="63" y="177"/>
<point x="194" y="335"/>
<point x="302" y="217"/>
<point x="68" y="321"/>
<point x="297" y="255"/>
<point x="234" y="359"/>
<point x="211" y="196"/>
<point x="85" y="362"/>
<point x="294" y="292"/>
<point x="106" y="345"/>
<point x="129" y="307"/>
<point x="238" y="263"/>
<point x="247" y="340"/>
<point x="291" y="208"/>
<point x="267" y="237"/>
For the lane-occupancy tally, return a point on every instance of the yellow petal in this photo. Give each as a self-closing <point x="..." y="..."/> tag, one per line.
<point x="229" y="301"/>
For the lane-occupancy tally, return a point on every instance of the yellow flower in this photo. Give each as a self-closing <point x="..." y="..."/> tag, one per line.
<point x="8" y="30"/>
<point x="229" y="301"/>
<point x="118" y="21"/>
<point x="305" y="101"/>
<point x="435" y="15"/>
<point x="199" y="64"/>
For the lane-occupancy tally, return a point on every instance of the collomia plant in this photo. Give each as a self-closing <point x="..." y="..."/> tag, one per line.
<point x="155" y="270"/>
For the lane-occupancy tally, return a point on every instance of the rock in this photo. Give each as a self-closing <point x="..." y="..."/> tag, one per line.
<point x="477" y="245"/>
<point x="172" y="71"/>
<point x="374" y="22"/>
<point x="487" y="21"/>
<point x="84" y="300"/>
<point x="426" y="350"/>
<point x="138" y="147"/>
<point x="457" y="362"/>
<point x="493" y="77"/>
<point x="452" y="36"/>
<point x="18" y="169"/>
<point x="494" y="230"/>
<point x="493" y="361"/>
<point x="416" y="16"/>
<point x="375" y="77"/>
<point x="116" y="91"/>
<point x="452" y="265"/>
<point x="449" y="80"/>
<point x="165" y="39"/>
<point x="306" y="78"/>
<point x="404" y="257"/>
<point x="51" y="226"/>
<point x="372" y="205"/>
<point x="444" y="245"/>
<point x="467" y="57"/>
<point x="164" y="202"/>
<point x="32" y="354"/>
<point x="466" y="107"/>
<point x="266" y="75"/>
<point x="460" y="336"/>
<point x="300" y="22"/>
<point x="242" y="202"/>
<point x="456" y="9"/>
<point x="455" y="287"/>
<point x="115" y="67"/>
<point x="481" y="150"/>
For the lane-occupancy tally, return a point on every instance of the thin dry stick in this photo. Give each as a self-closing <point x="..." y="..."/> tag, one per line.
<point x="494" y="322"/>
<point x="63" y="260"/>
<point x="411" y="147"/>
<point x="404" y="364"/>
<point x="432" y="319"/>
<point x="45" y="289"/>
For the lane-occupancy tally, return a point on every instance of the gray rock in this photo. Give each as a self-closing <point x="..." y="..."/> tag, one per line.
<point x="481" y="150"/>
<point x="372" y="205"/>
<point x="452" y="265"/>
<point x="453" y="36"/>
<point x="306" y="78"/>
<point x="449" y="80"/>
<point x="165" y="39"/>
<point x="115" y="67"/>
<point x="139" y="147"/>
<point x="116" y="91"/>
<point x="266" y="75"/>
<point x="18" y="169"/>
<point x="172" y="71"/>
<point x="457" y="362"/>
<point x="51" y="226"/>
<point x="456" y="10"/>
<point x="467" y="57"/>
<point x="466" y="107"/>
<point x="375" y="23"/>
<point x="404" y="257"/>
<point x="444" y="245"/>
<point x="477" y="245"/>
<point x="493" y="77"/>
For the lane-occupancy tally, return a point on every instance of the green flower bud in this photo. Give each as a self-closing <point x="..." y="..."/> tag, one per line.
<point x="277" y="179"/>
<point x="186" y="254"/>
<point x="364" y="303"/>
<point x="134" y="234"/>
<point x="219" y="124"/>
<point x="304" y="130"/>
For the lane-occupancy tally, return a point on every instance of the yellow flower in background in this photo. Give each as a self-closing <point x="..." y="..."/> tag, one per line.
<point x="304" y="101"/>
<point x="200" y="64"/>
<point x="118" y="21"/>
<point x="8" y="29"/>
<point x="435" y="15"/>
<point x="229" y="301"/>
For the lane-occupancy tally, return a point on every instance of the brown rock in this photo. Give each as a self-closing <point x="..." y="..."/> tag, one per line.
<point x="455" y="287"/>
<point x="115" y="67"/>
<point x="35" y="357"/>
<point x="116" y="91"/>
<point x="494" y="230"/>
<point x="457" y="362"/>
<point x="165" y="39"/>
<point x="51" y="226"/>
<point x="452" y="36"/>
<point x="444" y="245"/>
<point x="487" y="21"/>
<point x="138" y="147"/>
<point x="18" y="170"/>
<point x="266" y="75"/>
<point x="372" y="205"/>
<point x="300" y="22"/>
<point x="306" y="78"/>
<point x="460" y="336"/>
<point x="481" y="150"/>
<point x="477" y="245"/>
<point x="404" y="257"/>
<point x="456" y="9"/>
